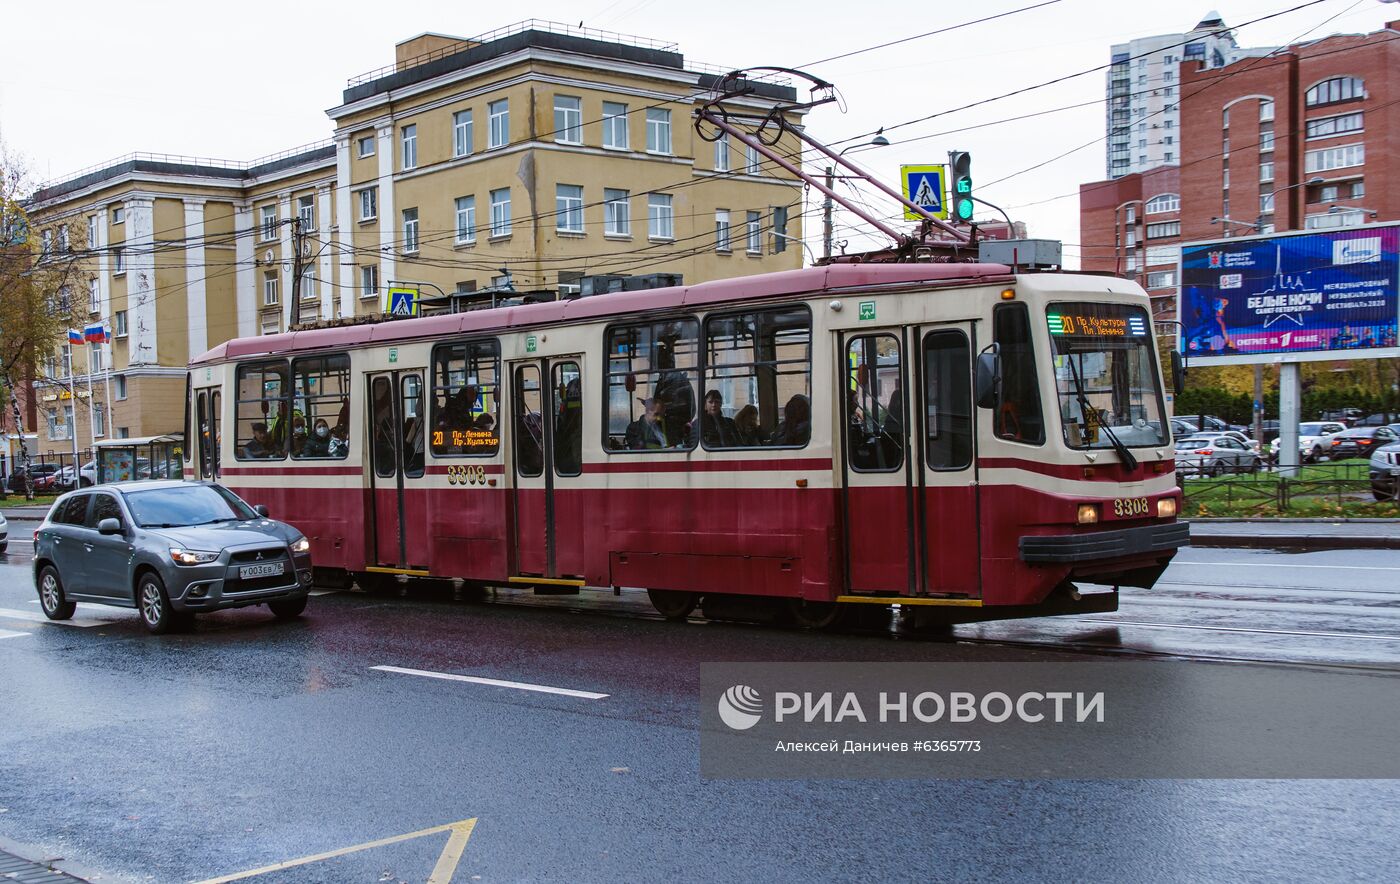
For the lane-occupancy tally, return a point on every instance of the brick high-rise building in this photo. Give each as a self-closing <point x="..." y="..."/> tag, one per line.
<point x="1306" y="137"/>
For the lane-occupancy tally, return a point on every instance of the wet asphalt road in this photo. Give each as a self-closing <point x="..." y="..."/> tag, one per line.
<point x="250" y="742"/>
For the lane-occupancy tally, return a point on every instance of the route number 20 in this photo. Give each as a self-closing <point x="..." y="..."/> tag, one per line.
<point x="466" y="474"/>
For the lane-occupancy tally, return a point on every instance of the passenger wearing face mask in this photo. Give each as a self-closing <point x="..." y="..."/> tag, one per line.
<point x="318" y="443"/>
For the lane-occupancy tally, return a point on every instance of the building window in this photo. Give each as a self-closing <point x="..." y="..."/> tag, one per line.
<point x="1168" y="76"/>
<point x="751" y="160"/>
<point x="466" y="219"/>
<point x="461" y="133"/>
<point x="1334" y="158"/>
<point x="369" y="281"/>
<point x="1340" y="218"/>
<point x="1163" y="228"/>
<point x="63" y="244"/>
<point x="92" y="232"/>
<point x="119" y="260"/>
<point x="1335" y="90"/>
<point x="1266" y="111"/>
<point x="570" y="283"/>
<point x="409" y="135"/>
<point x="617" y="213"/>
<point x="306" y="213"/>
<point x="410" y="230"/>
<point x="269" y="222"/>
<point x="1327" y="193"/>
<point x="615" y="126"/>
<point x="568" y="119"/>
<point x="1225" y="178"/>
<point x="659" y="217"/>
<point x="498" y="113"/>
<point x="1266" y="140"/>
<point x="94" y="296"/>
<point x="1266" y="171"/>
<point x="780" y="235"/>
<point x="270" y="323"/>
<point x="1168" y="157"/>
<point x="568" y="208"/>
<point x="722" y="230"/>
<point x="500" y="212"/>
<point x="1266" y="203"/>
<point x="369" y="203"/>
<point x="658" y="130"/>
<point x="754" y="233"/>
<point x="118" y="215"/>
<point x="722" y="154"/>
<point x="119" y="324"/>
<point x="1161" y="255"/>
<point x="1161" y="279"/>
<point x="270" y="288"/>
<point x="119" y="386"/>
<point x="308" y="284"/>
<point x="1358" y="189"/>
<point x="365" y="145"/>
<point x="1325" y="126"/>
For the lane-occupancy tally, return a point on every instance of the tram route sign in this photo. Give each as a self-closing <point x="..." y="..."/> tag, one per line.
<point x="401" y="301"/>
<point x="925" y="187"/>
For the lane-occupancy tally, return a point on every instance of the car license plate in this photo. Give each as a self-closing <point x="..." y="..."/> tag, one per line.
<point x="1128" y="507"/>
<point x="1395" y="471"/>
<point x="271" y="569"/>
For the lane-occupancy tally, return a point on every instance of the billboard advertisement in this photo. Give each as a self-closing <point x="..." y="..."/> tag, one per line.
<point x="1298" y="293"/>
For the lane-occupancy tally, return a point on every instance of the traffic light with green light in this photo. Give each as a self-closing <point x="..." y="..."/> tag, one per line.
<point x="961" y="163"/>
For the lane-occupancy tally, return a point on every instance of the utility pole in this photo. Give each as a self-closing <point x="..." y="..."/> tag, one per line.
<point x="298" y="246"/>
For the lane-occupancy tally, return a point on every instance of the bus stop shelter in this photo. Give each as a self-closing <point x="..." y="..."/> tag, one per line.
<point x="144" y="457"/>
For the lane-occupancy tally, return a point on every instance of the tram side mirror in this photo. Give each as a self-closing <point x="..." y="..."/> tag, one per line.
<point x="261" y="509"/>
<point x="1178" y="372"/>
<point x="988" y="381"/>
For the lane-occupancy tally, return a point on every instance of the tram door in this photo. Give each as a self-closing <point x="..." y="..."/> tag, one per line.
<point x="908" y="483"/>
<point x="547" y="410"/>
<point x="397" y="441"/>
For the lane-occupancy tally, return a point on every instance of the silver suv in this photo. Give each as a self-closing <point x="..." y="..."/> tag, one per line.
<point x="168" y="549"/>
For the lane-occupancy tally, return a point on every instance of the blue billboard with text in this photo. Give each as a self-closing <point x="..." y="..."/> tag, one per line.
<point x="1292" y="293"/>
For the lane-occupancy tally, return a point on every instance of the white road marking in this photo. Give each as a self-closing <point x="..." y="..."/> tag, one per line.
<point x="1355" y="635"/>
<point x="494" y="682"/>
<point x="38" y="617"/>
<point x="324" y="592"/>
<point x="5" y="633"/>
<point x="1177" y="563"/>
<point x="96" y="607"/>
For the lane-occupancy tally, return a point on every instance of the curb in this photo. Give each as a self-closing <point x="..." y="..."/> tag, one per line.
<point x="28" y="865"/>
<point x="1312" y="542"/>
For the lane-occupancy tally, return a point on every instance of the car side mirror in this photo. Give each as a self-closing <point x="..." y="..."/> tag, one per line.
<point x="261" y="509"/>
<point x="1178" y="372"/>
<point x="988" y="382"/>
<point x="109" y="526"/>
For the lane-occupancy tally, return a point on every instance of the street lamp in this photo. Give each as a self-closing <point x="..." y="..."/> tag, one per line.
<point x="878" y="141"/>
<point x="1259" y="225"/>
<point x="1254" y="227"/>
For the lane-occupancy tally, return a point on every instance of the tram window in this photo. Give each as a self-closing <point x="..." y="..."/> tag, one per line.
<point x="321" y="407"/>
<point x="653" y="370"/>
<point x="262" y="419"/>
<point x="414" y="424"/>
<point x="947" y="400"/>
<point x="568" y="419"/>
<point x="1018" y="416"/>
<point x="203" y="435"/>
<point x="216" y="400"/>
<point x="382" y="420"/>
<point x="875" y="425"/>
<point x="466" y="406"/>
<point x="529" y="422"/>
<point x="760" y="364"/>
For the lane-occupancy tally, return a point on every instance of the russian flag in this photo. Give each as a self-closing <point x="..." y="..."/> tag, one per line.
<point x="95" y="334"/>
<point x="74" y="337"/>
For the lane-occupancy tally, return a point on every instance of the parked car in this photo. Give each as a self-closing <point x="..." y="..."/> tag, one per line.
<point x="1313" y="442"/>
<point x="1385" y="471"/>
<point x="1373" y="420"/>
<point x="1214" y="455"/>
<point x="4" y="534"/>
<point x="87" y="477"/>
<point x="39" y="471"/>
<point x="1213" y="423"/>
<point x="1361" y="441"/>
<point x="169" y="549"/>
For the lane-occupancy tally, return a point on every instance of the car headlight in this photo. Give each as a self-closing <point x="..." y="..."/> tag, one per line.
<point x="301" y="546"/>
<point x="192" y="556"/>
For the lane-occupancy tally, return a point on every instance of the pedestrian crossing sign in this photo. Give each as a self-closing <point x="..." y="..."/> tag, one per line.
<point x="401" y="302"/>
<point x="923" y="186"/>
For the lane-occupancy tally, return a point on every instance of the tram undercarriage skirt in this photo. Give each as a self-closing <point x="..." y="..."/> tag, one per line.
<point x="1098" y="546"/>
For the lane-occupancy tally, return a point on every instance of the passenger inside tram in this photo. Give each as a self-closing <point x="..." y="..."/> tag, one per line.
<point x="746" y="426"/>
<point x="717" y="430"/>
<point x="648" y="431"/>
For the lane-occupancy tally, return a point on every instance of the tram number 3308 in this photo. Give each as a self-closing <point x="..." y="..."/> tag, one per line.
<point x="466" y="474"/>
<point x="1130" y="506"/>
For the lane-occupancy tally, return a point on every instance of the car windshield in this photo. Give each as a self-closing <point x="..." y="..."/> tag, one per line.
<point x="183" y="505"/>
<point x="1106" y="374"/>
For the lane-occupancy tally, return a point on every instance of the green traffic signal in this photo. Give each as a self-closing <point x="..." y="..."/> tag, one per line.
<point x="963" y="207"/>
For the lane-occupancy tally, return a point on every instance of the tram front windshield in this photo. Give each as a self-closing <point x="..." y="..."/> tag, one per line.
<point x="1106" y="375"/>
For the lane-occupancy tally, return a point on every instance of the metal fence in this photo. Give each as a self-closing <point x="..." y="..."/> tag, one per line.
<point x="1280" y="488"/>
<point x="45" y="469"/>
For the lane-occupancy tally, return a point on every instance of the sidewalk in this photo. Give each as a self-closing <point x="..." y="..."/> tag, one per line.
<point x="14" y="868"/>
<point x="1302" y="534"/>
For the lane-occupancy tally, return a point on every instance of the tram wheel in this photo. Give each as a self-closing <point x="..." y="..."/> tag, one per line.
<point x="817" y="615"/>
<point x="673" y="604"/>
<point x="377" y="583"/>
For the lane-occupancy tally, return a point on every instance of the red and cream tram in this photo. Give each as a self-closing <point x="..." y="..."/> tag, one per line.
<point x="954" y="435"/>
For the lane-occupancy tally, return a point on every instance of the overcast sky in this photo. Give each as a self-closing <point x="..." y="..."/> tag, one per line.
<point x="88" y="80"/>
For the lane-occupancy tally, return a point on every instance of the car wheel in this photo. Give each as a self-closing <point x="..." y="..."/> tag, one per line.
<point x="154" y="605"/>
<point x="4" y="546"/>
<point x="288" y="609"/>
<point x="51" y="598"/>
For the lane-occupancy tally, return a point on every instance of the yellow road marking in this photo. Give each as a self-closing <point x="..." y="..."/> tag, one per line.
<point x="906" y="600"/>
<point x="442" y="872"/>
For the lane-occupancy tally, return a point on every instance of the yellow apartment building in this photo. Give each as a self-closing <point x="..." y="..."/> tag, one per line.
<point x="517" y="161"/>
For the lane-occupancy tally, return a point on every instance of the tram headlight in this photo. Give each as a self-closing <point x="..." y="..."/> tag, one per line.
<point x="1088" y="514"/>
<point x="1166" y="507"/>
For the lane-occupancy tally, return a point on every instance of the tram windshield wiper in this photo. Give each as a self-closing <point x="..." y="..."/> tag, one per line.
<point x="1126" y="456"/>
